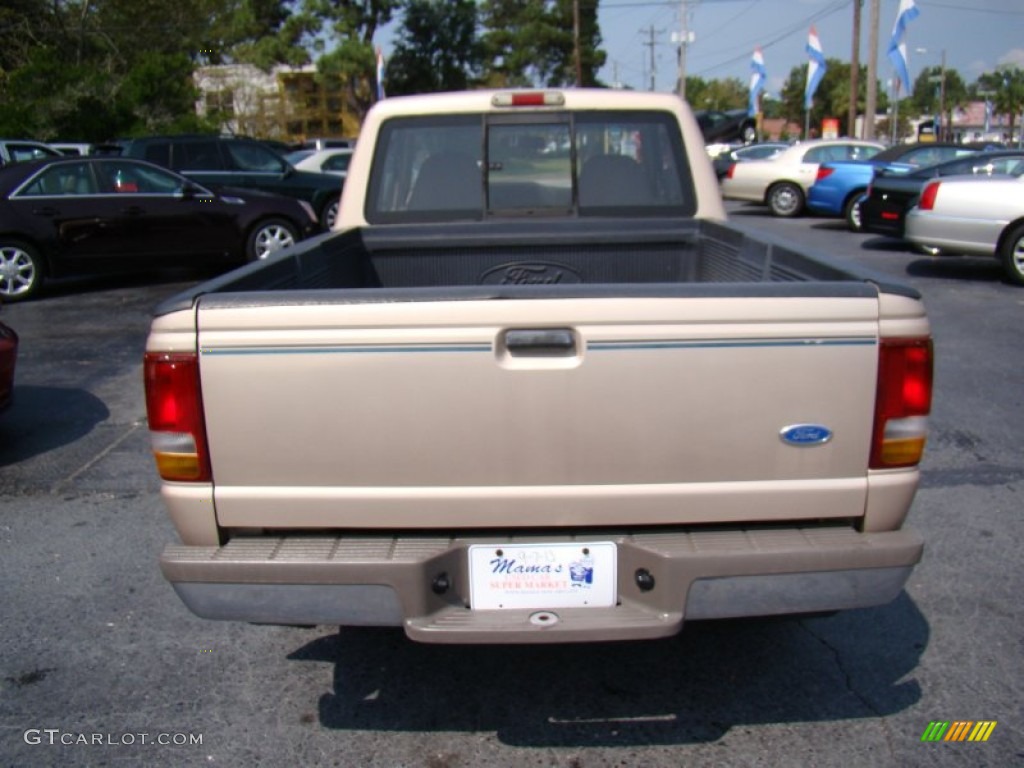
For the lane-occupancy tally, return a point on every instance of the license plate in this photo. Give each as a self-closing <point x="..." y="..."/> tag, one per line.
<point x="563" y="575"/>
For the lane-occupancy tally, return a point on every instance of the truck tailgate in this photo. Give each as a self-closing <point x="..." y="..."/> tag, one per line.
<point x="538" y="412"/>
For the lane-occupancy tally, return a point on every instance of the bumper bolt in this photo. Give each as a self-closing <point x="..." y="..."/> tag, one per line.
<point x="644" y="579"/>
<point x="440" y="584"/>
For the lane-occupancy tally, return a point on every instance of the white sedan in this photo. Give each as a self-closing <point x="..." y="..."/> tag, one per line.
<point x="973" y="216"/>
<point x="782" y="181"/>
<point x="334" y="160"/>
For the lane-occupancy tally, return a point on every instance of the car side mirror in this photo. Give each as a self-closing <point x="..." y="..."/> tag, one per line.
<point x="189" y="190"/>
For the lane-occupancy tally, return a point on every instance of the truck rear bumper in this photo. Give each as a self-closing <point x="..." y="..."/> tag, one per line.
<point x="397" y="581"/>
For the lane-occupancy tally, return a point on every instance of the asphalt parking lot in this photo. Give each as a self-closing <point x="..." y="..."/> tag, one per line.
<point x="100" y="663"/>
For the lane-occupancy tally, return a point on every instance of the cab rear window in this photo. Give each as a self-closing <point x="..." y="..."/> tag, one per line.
<point x="471" y="167"/>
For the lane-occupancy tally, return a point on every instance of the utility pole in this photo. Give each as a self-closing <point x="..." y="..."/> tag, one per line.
<point x="942" y="100"/>
<point x="872" y="95"/>
<point x="851" y="123"/>
<point x="576" y="42"/>
<point x="682" y="40"/>
<point x="650" y="44"/>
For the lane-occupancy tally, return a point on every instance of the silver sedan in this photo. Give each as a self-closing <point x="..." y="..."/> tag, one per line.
<point x="782" y="182"/>
<point x="973" y="216"/>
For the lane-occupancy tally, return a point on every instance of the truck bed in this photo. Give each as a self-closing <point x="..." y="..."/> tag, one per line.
<point x="634" y="257"/>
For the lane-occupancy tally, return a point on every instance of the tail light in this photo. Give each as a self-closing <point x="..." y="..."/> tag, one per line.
<point x="902" y="403"/>
<point x="175" y="410"/>
<point x="730" y="171"/>
<point x="824" y="173"/>
<point x="928" y="196"/>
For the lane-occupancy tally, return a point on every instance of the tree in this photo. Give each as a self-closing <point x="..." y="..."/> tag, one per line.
<point x="96" y="69"/>
<point x="349" y="26"/>
<point x="531" y="42"/>
<point x="832" y="99"/>
<point x="1007" y="87"/>
<point x="731" y="93"/>
<point x="437" y="48"/>
<point x="935" y="89"/>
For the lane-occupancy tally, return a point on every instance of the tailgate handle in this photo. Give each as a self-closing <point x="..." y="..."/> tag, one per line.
<point x="541" y="342"/>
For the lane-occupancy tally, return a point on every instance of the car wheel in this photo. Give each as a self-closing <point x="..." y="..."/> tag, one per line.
<point x="1013" y="255"/>
<point x="21" y="271"/>
<point x="786" y="199"/>
<point x="330" y="213"/>
<point x="269" y="236"/>
<point x="851" y="212"/>
<point x="749" y="134"/>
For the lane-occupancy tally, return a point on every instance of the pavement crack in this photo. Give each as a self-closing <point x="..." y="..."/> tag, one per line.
<point x="62" y="485"/>
<point x="848" y="682"/>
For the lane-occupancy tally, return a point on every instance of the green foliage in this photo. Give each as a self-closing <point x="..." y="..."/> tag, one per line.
<point x="98" y="69"/>
<point x="832" y="99"/>
<point x="928" y="88"/>
<point x="531" y="42"/>
<point x="437" y="48"/>
<point x="346" y="29"/>
<point x="731" y="93"/>
<point x="1006" y="85"/>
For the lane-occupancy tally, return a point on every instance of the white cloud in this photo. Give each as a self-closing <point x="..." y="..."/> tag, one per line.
<point x="1015" y="56"/>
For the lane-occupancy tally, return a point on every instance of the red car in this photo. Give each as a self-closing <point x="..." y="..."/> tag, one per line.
<point x="8" y="354"/>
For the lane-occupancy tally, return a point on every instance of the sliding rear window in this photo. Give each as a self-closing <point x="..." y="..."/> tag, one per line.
<point x="553" y="164"/>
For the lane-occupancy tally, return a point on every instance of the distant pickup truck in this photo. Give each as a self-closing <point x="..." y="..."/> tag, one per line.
<point x="536" y="388"/>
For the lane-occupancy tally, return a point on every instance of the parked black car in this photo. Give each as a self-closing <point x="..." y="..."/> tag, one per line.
<point x="86" y="215"/>
<point x="891" y="194"/>
<point x="239" y="162"/>
<point x="725" y="127"/>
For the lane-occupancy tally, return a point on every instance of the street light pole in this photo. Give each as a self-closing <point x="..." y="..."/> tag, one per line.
<point x="942" y="97"/>
<point x="941" y="133"/>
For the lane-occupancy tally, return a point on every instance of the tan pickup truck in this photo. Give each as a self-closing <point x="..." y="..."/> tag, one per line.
<point x="536" y="388"/>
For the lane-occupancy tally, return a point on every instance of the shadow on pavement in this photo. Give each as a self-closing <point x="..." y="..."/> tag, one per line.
<point x="692" y="688"/>
<point x="44" y="418"/>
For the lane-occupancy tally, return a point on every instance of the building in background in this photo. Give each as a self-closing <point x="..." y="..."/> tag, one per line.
<point x="286" y="104"/>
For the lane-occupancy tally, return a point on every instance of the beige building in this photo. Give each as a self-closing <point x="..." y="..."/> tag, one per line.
<point x="287" y="104"/>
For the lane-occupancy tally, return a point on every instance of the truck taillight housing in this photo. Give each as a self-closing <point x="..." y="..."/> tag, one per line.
<point x="902" y="403"/>
<point x="175" y="410"/>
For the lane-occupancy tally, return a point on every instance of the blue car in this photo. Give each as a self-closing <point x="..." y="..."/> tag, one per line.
<point x="839" y="186"/>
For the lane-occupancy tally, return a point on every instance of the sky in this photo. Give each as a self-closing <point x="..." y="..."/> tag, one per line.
<point x="977" y="36"/>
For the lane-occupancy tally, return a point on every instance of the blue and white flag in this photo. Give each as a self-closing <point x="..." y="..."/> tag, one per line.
<point x="898" y="45"/>
<point x="380" y="74"/>
<point x="816" y="67"/>
<point x="758" y="78"/>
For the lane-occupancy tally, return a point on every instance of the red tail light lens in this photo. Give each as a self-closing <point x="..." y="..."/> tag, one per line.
<point x="175" y="411"/>
<point x="928" y="196"/>
<point x="731" y="170"/>
<point x="528" y="99"/>
<point x="824" y="173"/>
<point x="903" y="402"/>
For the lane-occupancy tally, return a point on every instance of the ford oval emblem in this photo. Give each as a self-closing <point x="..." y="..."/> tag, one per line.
<point x="530" y="273"/>
<point x="806" y="435"/>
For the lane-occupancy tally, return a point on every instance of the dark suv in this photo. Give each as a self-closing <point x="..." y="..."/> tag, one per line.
<point x="228" y="161"/>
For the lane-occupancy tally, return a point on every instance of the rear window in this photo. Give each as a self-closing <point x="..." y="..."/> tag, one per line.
<point x="253" y="158"/>
<point x="471" y="167"/>
<point x="198" y="156"/>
